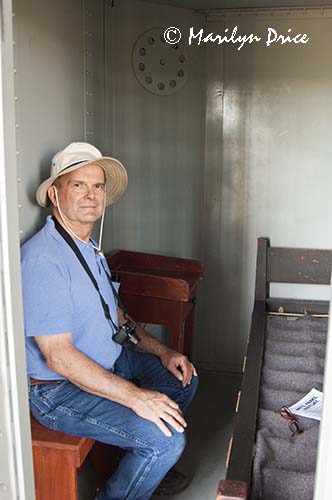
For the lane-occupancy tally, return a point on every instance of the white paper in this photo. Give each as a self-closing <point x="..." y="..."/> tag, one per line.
<point x="309" y="406"/>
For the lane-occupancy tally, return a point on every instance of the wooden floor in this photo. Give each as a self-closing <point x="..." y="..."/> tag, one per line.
<point x="210" y="418"/>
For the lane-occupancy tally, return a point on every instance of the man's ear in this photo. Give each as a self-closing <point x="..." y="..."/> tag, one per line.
<point x="51" y="195"/>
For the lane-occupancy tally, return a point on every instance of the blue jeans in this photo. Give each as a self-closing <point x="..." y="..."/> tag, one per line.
<point x="150" y="454"/>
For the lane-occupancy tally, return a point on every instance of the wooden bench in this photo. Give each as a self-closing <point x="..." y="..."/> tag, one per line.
<point x="57" y="458"/>
<point x="274" y="265"/>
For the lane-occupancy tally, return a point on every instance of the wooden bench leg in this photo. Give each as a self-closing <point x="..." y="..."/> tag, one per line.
<point x="189" y="333"/>
<point x="231" y="490"/>
<point x="55" y="475"/>
<point x="103" y="456"/>
<point x="175" y="323"/>
<point x="177" y="336"/>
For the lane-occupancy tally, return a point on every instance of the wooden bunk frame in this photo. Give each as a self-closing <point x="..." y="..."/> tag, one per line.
<point x="274" y="265"/>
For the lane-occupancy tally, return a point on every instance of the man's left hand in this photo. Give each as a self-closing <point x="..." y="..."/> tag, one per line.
<point x="179" y="365"/>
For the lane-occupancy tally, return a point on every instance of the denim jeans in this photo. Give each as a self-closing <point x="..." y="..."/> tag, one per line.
<point x="150" y="454"/>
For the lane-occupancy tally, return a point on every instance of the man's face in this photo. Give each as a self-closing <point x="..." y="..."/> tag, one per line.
<point x="81" y="194"/>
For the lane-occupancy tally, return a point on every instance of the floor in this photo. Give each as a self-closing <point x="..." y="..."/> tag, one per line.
<point x="210" y="418"/>
<point x="210" y="422"/>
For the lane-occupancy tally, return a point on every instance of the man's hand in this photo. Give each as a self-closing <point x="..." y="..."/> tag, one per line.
<point x="175" y="362"/>
<point x="179" y="365"/>
<point x="159" y="408"/>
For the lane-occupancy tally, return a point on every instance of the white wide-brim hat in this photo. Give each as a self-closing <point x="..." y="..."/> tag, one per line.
<point x="80" y="154"/>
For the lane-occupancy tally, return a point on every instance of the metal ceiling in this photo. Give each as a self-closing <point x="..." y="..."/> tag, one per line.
<point x="239" y="4"/>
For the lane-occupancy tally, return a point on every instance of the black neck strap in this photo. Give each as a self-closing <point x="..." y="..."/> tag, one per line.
<point x="117" y="296"/>
<point x="66" y="236"/>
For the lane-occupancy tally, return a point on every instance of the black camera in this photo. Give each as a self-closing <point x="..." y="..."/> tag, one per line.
<point x="126" y="336"/>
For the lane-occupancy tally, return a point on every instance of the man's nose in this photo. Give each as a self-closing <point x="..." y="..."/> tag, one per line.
<point x="90" y="193"/>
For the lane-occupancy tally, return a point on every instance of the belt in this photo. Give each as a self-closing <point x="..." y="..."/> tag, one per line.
<point x="34" y="381"/>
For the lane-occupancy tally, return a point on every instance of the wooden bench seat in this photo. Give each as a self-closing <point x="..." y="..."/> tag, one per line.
<point x="58" y="457"/>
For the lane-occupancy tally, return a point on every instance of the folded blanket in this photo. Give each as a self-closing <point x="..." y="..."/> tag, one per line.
<point x="284" y="465"/>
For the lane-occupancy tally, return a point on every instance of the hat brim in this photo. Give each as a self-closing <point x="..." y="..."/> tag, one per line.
<point x="116" y="180"/>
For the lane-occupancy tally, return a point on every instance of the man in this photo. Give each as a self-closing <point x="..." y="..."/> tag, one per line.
<point x="82" y="381"/>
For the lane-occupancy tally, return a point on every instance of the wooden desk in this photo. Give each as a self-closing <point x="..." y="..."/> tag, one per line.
<point x="160" y="290"/>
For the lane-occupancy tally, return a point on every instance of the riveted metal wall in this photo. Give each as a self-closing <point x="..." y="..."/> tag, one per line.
<point x="94" y="72"/>
<point x="266" y="113"/>
<point x="159" y="138"/>
<point x="59" y="89"/>
<point x="16" y="471"/>
<point x="322" y="490"/>
<point x="268" y="164"/>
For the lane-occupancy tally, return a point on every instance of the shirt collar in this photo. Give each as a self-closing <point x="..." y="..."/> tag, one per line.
<point x="50" y="227"/>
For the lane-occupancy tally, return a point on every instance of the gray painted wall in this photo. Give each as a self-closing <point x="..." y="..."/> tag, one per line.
<point x="58" y="83"/>
<point x="16" y="468"/>
<point x="74" y="81"/>
<point x="241" y="151"/>
<point x="267" y="171"/>
<point x="238" y="4"/>
<point x="160" y="139"/>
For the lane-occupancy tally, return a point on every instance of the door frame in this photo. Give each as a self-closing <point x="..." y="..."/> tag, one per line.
<point x="16" y="464"/>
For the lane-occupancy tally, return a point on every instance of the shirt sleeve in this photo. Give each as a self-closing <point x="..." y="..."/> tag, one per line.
<point x="47" y="304"/>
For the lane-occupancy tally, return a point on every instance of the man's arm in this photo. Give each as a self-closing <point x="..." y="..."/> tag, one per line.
<point x="177" y="363"/>
<point x="63" y="358"/>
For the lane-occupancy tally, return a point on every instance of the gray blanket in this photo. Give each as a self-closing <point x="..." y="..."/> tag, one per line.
<point x="284" y="466"/>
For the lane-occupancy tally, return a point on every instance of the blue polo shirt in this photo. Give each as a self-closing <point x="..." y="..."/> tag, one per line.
<point x="59" y="297"/>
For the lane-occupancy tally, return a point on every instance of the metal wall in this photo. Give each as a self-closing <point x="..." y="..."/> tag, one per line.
<point x="160" y="139"/>
<point x="268" y="165"/>
<point x="16" y="470"/>
<point x="59" y="89"/>
<point x="322" y="489"/>
<point x="241" y="151"/>
<point x="74" y="81"/>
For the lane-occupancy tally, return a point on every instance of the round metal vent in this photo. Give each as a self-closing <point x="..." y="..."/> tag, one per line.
<point x="160" y="67"/>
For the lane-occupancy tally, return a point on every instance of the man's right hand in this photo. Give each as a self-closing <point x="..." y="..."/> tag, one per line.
<point x="159" y="408"/>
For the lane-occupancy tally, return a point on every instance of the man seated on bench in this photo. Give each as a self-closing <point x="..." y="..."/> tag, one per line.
<point x="88" y="375"/>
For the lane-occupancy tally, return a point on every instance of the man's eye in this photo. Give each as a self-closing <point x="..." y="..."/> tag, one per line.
<point x="80" y="186"/>
<point x="100" y="187"/>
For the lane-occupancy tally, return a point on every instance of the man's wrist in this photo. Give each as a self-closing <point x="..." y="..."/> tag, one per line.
<point x="165" y="351"/>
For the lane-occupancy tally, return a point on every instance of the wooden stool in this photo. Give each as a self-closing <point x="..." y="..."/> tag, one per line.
<point x="160" y="290"/>
<point x="57" y="458"/>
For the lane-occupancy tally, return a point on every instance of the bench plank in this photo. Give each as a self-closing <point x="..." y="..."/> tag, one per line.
<point x="42" y="437"/>
<point x="56" y="460"/>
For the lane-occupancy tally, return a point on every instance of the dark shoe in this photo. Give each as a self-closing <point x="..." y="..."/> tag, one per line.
<point x="173" y="483"/>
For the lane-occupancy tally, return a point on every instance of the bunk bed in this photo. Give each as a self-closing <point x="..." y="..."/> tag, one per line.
<point x="285" y="359"/>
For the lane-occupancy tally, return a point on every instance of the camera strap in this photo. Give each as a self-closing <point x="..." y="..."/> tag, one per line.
<point x="117" y="296"/>
<point x="66" y="236"/>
